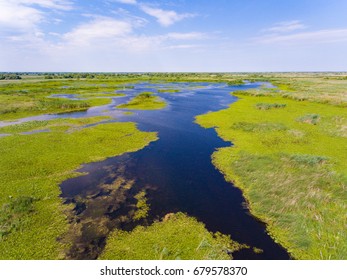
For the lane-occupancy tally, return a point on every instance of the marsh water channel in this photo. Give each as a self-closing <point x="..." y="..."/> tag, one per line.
<point x="175" y="171"/>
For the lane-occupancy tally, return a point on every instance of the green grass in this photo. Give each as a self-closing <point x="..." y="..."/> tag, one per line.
<point x="144" y="101"/>
<point x="53" y="125"/>
<point x="309" y="118"/>
<point x="176" y="237"/>
<point x="31" y="168"/>
<point x="292" y="169"/>
<point x="32" y="97"/>
<point x="258" y="127"/>
<point x="168" y="90"/>
<point x="268" y="106"/>
<point x="12" y="214"/>
<point x="308" y="159"/>
<point x="326" y="88"/>
<point x="236" y="82"/>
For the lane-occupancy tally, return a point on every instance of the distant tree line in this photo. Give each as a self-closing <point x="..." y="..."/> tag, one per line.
<point x="10" y="76"/>
<point x="71" y="75"/>
<point x="77" y="75"/>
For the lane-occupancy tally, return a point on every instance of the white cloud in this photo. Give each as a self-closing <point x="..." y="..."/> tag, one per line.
<point x="24" y="15"/>
<point x="130" y="2"/>
<point x="99" y="28"/>
<point x="110" y="34"/>
<point x="113" y="39"/>
<point x="183" y="46"/>
<point x="50" y="4"/>
<point x="135" y="20"/>
<point x="16" y="16"/>
<point x="286" y="26"/>
<point x="314" y="37"/>
<point x="135" y="43"/>
<point x="165" y="17"/>
<point x="186" y="36"/>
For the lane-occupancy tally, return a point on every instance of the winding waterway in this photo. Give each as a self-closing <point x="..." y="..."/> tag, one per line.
<point x="176" y="170"/>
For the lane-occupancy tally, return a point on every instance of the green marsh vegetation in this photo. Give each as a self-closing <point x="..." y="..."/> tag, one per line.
<point x="32" y="215"/>
<point x="168" y="90"/>
<point x="290" y="161"/>
<point x="29" y="98"/>
<point x="32" y="166"/>
<point x="236" y="82"/>
<point x="268" y="106"/>
<point x="177" y="236"/>
<point x="326" y="88"/>
<point x="309" y="118"/>
<point x="144" y="101"/>
<point x="12" y="214"/>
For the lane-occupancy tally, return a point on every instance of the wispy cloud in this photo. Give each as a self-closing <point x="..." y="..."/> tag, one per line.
<point x="165" y="17"/>
<point x="14" y="16"/>
<point x="286" y="26"/>
<point x="24" y="15"/>
<point x="290" y="33"/>
<point x="182" y="47"/>
<point x="187" y="36"/>
<point x="97" y="29"/>
<point x="126" y="15"/>
<point x="25" y="30"/>
<point x="131" y="2"/>
<point x="313" y="37"/>
<point x="122" y="36"/>
<point x="51" y="4"/>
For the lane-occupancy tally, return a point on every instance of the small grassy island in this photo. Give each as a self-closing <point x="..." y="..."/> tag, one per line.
<point x="144" y="101"/>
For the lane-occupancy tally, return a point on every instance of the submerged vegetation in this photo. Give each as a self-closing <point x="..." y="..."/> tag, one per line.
<point x="176" y="237"/>
<point x="95" y="216"/>
<point x="292" y="173"/>
<point x="32" y="166"/>
<point x="142" y="206"/>
<point x="144" y="101"/>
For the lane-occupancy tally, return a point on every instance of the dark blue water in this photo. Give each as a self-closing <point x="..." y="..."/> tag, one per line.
<point x="177" y="171"/>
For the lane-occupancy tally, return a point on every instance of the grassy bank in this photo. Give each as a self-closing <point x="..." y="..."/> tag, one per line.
<point x="144" y="101"/>
<point x="29" y="98"/>
<point x="32" y="166"/>
<point x="176" y="237"/>
<point x="326" y="88"/>
<point x="290" y="160"/>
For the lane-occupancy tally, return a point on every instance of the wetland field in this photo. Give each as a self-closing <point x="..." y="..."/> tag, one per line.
<point x="169" y="166"/>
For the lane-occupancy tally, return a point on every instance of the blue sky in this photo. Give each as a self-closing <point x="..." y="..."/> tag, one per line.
<point x="180" y="35"/>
